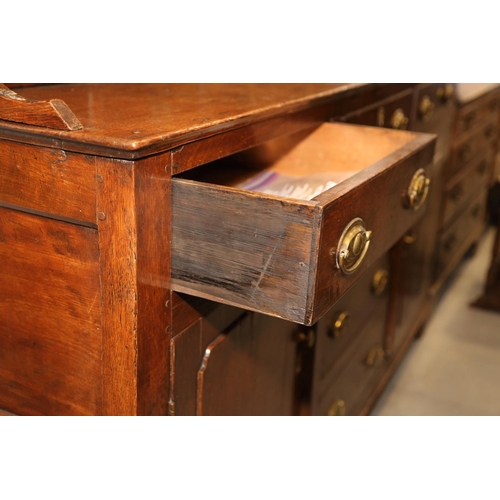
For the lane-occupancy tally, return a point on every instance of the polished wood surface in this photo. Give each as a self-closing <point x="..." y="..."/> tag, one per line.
<point x="49" y="182"/>
<point x="130" y="121"/>
<point x="50" y="306"/>
<point x="53" y="114"/>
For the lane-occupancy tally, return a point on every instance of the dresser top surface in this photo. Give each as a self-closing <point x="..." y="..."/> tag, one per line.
<point x="140" y="119"/>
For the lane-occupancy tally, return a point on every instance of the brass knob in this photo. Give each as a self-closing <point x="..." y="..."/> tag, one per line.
<point x="380" y="116"/>
<point x="353" y="245"/>
<point x="426" y="108"/>
<point x="306" y="338"/>
<point x="339" y="325"/>
<point x="450" y="242"/>
<point x="417" y="190"/>
<point x="467" y="120"/>
<point x="481" y="168"/>
<point x="476" y="211"/>
<point x="489" y="132"/>
<point x="465" y="152"/>
<point x="375" y="356"/>
<point x="379" y="282"/>
<point x="446" y="93"/>
<point x="398" y="120"/>
<point x="456" y="193"/>
<point x="337" y="409"/>
<point x="409" y="238"/>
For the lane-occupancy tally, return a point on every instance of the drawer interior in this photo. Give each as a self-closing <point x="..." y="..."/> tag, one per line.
<point x="331" y="152"/>
<point x="275" y="254"/>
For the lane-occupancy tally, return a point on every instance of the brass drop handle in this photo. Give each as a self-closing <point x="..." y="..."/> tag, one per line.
<point x="353" y="245"/>
<point x="465" y="152"/>
<point x="426" y="108"/>
<point x="337" y="409"/>
<point x="339" y="325"/>
<point x="409" y="238"/>
<point x="446" y="93"/>
<point x="399" y="121"/>
<point x="379" y="282"/>
<point x="375" y="356"/>
<point x="468" y="119"/>
<point x="417" y="190"/>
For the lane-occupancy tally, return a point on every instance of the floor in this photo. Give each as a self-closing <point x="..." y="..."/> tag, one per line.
<point x="454" y="368"/>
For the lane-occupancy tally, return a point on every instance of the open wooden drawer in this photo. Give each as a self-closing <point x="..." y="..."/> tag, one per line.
<point x="288" y="257"/>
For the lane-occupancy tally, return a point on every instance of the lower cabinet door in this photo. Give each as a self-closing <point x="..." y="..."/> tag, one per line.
<point x="247" y="369"/>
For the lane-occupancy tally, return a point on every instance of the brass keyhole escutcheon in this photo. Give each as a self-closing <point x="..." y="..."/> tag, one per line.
<point x="339" y="325"/>
<point x="426" y="108"/>
<point x="399" y="121"/>
<point x="337" y="408"/>
<point x="418" y="189"/>
<point x="379" y="282"/>
<point x="352" y="246"/>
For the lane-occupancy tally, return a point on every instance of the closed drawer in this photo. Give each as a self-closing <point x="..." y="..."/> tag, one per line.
<point x="472" y="145"/>
<point x="356" y="373"/>
<point x="394" y="113"/>
<point x="288" y="257"/>
<point x="475" y="174"/>
<point x="463" y="231"/>
<point x="473" y="115"/>
<point x="434" y="113"/>
<point x="347" y="320"/>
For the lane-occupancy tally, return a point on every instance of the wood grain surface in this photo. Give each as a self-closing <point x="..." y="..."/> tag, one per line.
<point x="49" y="181"/>
<point x="50" y="337"/>
<point x="53" y="114"/>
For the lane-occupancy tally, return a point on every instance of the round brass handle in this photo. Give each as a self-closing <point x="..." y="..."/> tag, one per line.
<point x="337" y="409"/>
<point x="375" y="356"/>
<point x="446" y="93"/>
<point x="399" y="120"/>
<point x="339" y="325"/>
<point x="353" y="245"/>
<point x="417" y="190"/>
<point x="426" y="109"/>
<point x="379" y="282"/>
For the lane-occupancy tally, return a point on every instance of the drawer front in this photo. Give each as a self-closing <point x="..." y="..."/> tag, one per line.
<point x="463" y="232"/>
<point x="472" y="145"/>
<point x="392" y="113"/>
<point x="287" y="257"/>
<point x="356" y="373"/>
<point x="434" y="113"/>
<point x="348" y="319"/>
<point x="476" y="173"/>
<point x="473" y="115"/>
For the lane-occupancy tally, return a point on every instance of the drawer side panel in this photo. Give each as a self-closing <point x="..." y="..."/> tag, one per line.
<point x="227" y="248"/>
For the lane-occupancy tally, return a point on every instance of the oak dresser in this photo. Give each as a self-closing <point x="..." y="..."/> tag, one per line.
<point x="140" y="276"/>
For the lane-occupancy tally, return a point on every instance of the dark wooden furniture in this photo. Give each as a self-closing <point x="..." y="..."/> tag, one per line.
<point x="139" y="279"/>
